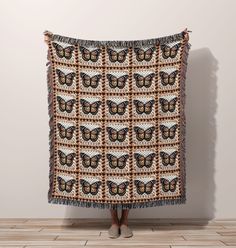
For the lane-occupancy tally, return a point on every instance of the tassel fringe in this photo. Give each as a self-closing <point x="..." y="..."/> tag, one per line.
<point x="118" y="43"/>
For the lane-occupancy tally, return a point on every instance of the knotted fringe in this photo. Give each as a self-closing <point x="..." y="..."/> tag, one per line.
<point x="182" y="136"/>
<point x="118" y="43"/>
<point x="51" y="126"/>
<point x="104" y="205"/>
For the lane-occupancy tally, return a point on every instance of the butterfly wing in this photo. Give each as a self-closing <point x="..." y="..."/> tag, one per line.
<point x="61" y="76"/>
<point x="139" y="106"/>
<point x="94" y="81"/>
<point x="86" y="55"/>
<point x="165" y="158"/>
<point x="122" y="188"/>
<point x="62" y="130"/>
<point x="174" y="50"/>
<point x="69" y="132"/>
<point x="94" y="55"/>
<point x="166" y="50"/>
<point x="69" y="185"/>
<point x="94" y="107"/>
<point x="148" y="54"/>
<point x="86" y="187"/>
<point x="148" y="133"/>
<point x="172" y="104"/>
<point x="140" y="134"/>
<point x="172" y="131"/>
<point x="121" y="134"/>
<point x="165" y="184"/>
<point x="148" y="80"/>
<point x="172" y="158"/>
<point x="59" y="50"/>
<point x="95" y="187"/>
<point x="61" y="183"/>
<point x="164" y="105"/>
<point x="140" y="160"/>
<point x="113" y="107"/>
<point x="172" y="77"/>
<point x="140" y="55"/>
<point x="94" y="134"/>
<point x="68" y="52"/>
<point x="121" y="107"/>
<point x="140" y="186"/>
<point x="61" y="104"/>
<point x="148" y="161"/>
<point x="85" y="133"/>
<point x="148" y="106"/>
<point x="112" y="134"/>
<point x="173" y="184"/>
<point x="113" y="187"/>
<point x="113" y="161"/>
<point x="164" y="131"/>
<point x="69" y="105"/>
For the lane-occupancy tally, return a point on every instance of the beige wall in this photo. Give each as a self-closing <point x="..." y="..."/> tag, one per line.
<point x="210" y="92"/>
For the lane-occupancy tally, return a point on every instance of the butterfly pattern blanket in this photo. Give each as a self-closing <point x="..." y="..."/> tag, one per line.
<point x="117" y="121"/>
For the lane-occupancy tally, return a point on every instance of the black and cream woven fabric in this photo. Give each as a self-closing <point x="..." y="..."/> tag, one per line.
<point x="117" y="121"/>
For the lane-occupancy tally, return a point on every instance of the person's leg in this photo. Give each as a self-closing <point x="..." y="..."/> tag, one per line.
<point x="113" y="231"/>
<point x="126" y="232"/>
<point x="124" y="217"/>
<point x="114" y="217"/>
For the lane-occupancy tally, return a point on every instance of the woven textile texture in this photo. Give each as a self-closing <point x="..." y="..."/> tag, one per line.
<point x="117" y="121"/>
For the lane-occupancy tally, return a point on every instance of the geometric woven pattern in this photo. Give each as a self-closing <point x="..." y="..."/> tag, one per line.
<point x="117" y="121"/>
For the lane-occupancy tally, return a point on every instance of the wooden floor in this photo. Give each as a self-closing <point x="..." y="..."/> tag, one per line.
<point x="91" y="233"/>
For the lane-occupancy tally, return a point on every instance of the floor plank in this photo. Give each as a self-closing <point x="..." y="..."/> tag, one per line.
<point x="92" y="233"/>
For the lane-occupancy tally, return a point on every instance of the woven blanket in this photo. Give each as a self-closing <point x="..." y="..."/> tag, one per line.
<point x="117" y="121"/>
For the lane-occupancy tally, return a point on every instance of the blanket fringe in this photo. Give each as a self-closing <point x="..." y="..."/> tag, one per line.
<point x="104" y="205"/>
<point x="119" y="43"/>
<point x="51" y="127"/>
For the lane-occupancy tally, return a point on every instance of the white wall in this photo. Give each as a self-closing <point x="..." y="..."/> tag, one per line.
<point x="210" y="92"/>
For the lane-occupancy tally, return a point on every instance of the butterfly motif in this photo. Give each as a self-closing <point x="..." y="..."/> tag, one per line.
<point x="90" y="108"/>
<point x="167" y="132"/>
<point x="65" y="185"/>
<point x="117" y="189"/>
<point x="117" y="162"/>
<point x="168" y="79"/>
<point x="90" y="134"/>
<point x="142" y="134"/>
<point x="88" y="81"/>
<point x="168" y="159"/>
<point x="65" y="133"/>
<point x="142" y="187"/>
<point x="88" y="161"/>
<point x="65" y="106"/>
<point x="88" y="188"/>
<point x="168" y="106"/>
<point x="142" y="55"/>
<point x="144" y="161"/>
<point x="115" y="56"/>
<point x="143" y="108"/>
<point x="143" y="81"/>
<point x="66" y="159"/>
<point x="115" y="135"/>
<point x="115" y="108"/>
<point x="169" y="185"/>
<point x="65" y="79"/>
<point x="170" y="52"/>
<point x="90" y="55"/>
<point x="63" y="52"/>
<point x="117" y="82"/>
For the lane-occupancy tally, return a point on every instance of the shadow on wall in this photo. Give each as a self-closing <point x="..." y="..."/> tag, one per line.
<point x="201" y="106"/>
